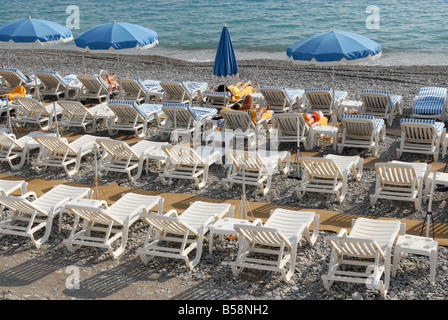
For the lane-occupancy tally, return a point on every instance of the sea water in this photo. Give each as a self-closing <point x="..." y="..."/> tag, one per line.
<point x="411" y="32"/>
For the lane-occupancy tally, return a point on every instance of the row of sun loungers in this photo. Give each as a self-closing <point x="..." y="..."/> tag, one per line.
<point x="354" y="255"/>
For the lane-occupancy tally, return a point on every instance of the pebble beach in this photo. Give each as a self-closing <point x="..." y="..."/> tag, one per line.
<point x="27" y="273"/>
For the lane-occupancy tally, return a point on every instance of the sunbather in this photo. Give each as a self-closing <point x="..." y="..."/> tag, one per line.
<point x="238" y="90"/>
<point x="260" y="112"/>
<point x="111" y="80"/>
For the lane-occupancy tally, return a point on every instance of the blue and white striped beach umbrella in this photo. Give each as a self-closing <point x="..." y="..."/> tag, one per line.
<point x="226" y="66"/>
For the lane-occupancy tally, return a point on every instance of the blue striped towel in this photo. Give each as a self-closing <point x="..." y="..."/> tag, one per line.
<point x="430" y="101"/>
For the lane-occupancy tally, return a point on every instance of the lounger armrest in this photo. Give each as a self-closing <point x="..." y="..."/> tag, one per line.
<point x="342" y="233"/>
<point x="29" y="194"/>
<point x="171" y="213"/>
<point x="257" y="222"/>
<point x="59" y="204"/>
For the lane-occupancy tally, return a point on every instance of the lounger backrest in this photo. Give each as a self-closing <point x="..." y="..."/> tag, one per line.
<point x="51" y="79"/>
<point x="287" y="123"/>
<point x="13" y="77"/>
<point x="56" y="145"/>
<point x="262" y="235"/>
<point x="181" y="155"/>
<point x="384" y="232"/>
<point x="251" y="160"/>
<point x="32" y="106"/>
<point x="235" y="120"/>
<point x="376" y="100"/>
<point x="358" y="126"/>
<point x="396" y="174"/>
<point x="179" y="113"/>
<point x="419" y="130"/>
<point x="118" y="149"/>
<point x="125" y="110"/>
<point x="174" y="89"/>
<point x="355" y="247"/>
<point x="21" y="205"/>
<point x="75" y="109"/>
<point x="7" y="140"/>
<point x="167" y="224"/>
<point x="94" y="84"/>
<point x="274" y="95"/>
<point x="321" y="168"/>
<point x="133" y="86"/>
<point x="92" y="214"/>
<point x="319" y="98"/>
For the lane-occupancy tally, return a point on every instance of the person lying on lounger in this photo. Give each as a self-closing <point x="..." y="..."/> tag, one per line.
<point x="238" y="90"/>
<point x="256" y="115"/>
<point x="111" y="80"/>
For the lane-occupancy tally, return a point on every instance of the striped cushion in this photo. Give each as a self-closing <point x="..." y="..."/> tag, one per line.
<point x="198" y="113"/>
<point x="191" y="86"/>
<point x="338" y="94"/>
<point x="146" y="108"/>
<point x="438" y="125"/>
<point x="212" y="93"/>
<point x="150" y="84"/>
<point x="430" y="101"/>
<point x="377" y="123"/>
<point x="56" y="74"/>
<point x="71" y="77"/>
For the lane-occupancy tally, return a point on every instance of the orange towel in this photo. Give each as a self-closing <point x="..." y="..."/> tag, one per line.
<point x="18" y="91"/>
<point x="256" y="116"/>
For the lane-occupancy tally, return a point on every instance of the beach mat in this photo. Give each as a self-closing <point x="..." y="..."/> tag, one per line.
<point x="329" y="220"/>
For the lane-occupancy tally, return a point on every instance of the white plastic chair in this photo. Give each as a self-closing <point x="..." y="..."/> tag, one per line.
<point x="78" y="116"/>
<point x="322" y="99"/>
<point x="364" y="255"/>
<point x="381" y="104"/>
<point x="278" y="237"/>
<point x="34" y="112"/>
<point x="102" y="226"/>
<point x="93" y="87"/>
<point x="183" y="91"/>
<point x="430" y="103"/>
<point x="186" y="231"/>
<point x="133" y="89"/>
<point x="290" y="127"/>
<point x="53" y="83"/>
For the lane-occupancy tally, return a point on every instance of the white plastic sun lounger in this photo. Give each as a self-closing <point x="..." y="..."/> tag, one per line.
<point x="34" y="112"/>
<point x="133" y="89"/>
<point x="183" y="91"/>
<point x="183" y="118"/>
<point x="216" y="99"/>
<point x="118" y="156"/>
<point x="328" y="174"/>
<point x="103" y="226"/>
<point x="187" y="230"/>
<point x="290" y="127"/>
<point x="278" y="237"/>
<point x="430" y="103"/>
<point x="421" y="136"/>
<point x="187" y="163"/>
<point x="130" y="116"/>
<point x="282" y="99"/>
<point x="78" y="116"/>
<point x="381" y="104"/>
<point x="360" y="131"/>
<point x="93" y="87"/>
<point x="53" y="83"/>
<point x="9" y="186"/>
<point x="27" y="217"/>
<point x="16" y="151"/>
<point x="255" y="167"/>
<point x="400" y="181"/>
<point x="364" y="255"/>
<point x="322" y="99"/>
<point x="57" y="152"/>
<point x="12" y="78"/>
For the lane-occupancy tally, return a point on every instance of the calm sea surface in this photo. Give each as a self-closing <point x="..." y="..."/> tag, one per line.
<point x="410" y="31"/>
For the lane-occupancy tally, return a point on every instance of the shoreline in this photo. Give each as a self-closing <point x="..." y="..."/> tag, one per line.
<point x="127" y="278"/>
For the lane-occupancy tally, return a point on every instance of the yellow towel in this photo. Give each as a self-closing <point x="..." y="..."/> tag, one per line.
<point x="238" y="95"/>
<point x="18" y="91"/>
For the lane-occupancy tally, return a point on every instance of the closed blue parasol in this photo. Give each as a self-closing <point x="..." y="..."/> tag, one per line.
<point x="226" y="66"/>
